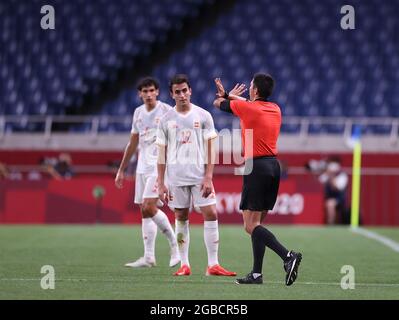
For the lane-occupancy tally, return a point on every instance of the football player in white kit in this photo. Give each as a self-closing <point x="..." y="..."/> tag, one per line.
<point x="185" y="138"/>
<point x="143" y="135"/>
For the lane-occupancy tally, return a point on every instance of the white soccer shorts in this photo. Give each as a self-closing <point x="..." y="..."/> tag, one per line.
<point x="146" y="187"/>
<point x="180" y="197"/>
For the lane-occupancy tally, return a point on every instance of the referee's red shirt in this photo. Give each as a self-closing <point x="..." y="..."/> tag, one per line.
<point x="264" y="119"/>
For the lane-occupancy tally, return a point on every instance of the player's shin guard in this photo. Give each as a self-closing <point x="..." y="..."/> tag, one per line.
<point x="183" y="240"/>
<point x="211" y="238"/>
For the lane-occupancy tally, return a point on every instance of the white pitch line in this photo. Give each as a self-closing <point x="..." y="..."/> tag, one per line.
<point x="372" y="235"/>
<point x="22" y="279"/>
<point x="217" y="281"/>
<point x="313" y="283"/>
<point x="339" y="284"/>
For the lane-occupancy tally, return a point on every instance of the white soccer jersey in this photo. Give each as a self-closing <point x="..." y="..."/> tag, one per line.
<point x="185" y="136"/>
<point x="145" y="123"/>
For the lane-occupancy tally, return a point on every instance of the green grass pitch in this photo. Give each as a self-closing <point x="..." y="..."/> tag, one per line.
<point x="88" y="263"/>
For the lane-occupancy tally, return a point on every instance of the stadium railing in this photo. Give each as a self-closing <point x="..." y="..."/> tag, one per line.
<point x="304" y="126"/>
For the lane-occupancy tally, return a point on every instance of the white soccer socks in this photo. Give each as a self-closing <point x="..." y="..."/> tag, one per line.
<point x="149" y="230"/>
<point x="211" y="239"/>
<point x="163" y="224"/>
<point x="183" y="240"/>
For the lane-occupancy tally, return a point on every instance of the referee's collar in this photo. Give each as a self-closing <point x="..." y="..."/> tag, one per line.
<point x="261" y="99"/>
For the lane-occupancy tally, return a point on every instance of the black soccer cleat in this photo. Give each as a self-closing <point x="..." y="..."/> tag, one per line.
<point x="291" y="267"/>
<point x="249" y="279"/>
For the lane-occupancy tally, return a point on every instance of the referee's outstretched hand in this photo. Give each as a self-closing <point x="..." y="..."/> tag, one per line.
<point x="219" y="87"/>
<point x="238" y="90"/>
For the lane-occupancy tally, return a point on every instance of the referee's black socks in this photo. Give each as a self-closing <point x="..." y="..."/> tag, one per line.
<point x="261" y="237"/>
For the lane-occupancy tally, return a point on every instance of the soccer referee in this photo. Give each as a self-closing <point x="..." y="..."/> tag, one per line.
<point x="261" y="120"/>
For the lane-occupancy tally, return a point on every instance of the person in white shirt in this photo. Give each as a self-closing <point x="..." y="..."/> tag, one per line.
<point x="185" y="138"/>
<point x="143" y="135"/>
<point x="335" y="182"/>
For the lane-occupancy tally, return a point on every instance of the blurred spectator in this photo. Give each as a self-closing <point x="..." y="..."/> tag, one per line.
<point x="34" y="175"/>
<point x="9" y="173"/>
<point x="335" y="182"/>
<point x="59" y="169"/>
<point x="3" y="171"/>
<point x="130" y="171"/>
<point x="64" y="166"/>
<point x="284" y="169"/>
<point x="15" y="175"/>
<point x="316" y="166"/>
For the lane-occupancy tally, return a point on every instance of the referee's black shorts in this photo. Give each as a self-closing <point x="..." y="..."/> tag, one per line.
<point x="260" y="186"/>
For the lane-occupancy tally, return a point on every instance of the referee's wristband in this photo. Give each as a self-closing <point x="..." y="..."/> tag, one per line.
<point x="226" y="95"/>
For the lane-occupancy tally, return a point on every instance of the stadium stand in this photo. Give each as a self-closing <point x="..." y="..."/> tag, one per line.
<point x="320" y="69"/>
<point x="46" y="72"/>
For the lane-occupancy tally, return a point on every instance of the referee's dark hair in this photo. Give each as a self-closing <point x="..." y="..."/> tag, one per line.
<point x="178" y="79"/>
<point x="264" y="83"/>
<point x="147" y="82"/>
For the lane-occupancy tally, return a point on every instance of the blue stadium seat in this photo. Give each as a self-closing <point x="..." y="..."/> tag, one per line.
<point x="87" y="44"/>
<point x="320" y="70"/>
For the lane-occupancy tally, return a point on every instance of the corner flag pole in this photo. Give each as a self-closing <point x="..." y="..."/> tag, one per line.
<point x="356" y="172"/>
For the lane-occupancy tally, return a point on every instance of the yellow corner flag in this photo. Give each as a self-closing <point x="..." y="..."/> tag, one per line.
<point x="356" y="175"/>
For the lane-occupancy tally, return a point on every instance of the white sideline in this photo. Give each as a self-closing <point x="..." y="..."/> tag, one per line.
<point x="372" y="235"/>
<point x="364" y="284"/>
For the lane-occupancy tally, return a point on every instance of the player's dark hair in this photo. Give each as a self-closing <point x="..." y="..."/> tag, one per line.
<point x="147" y="82"/>
<point x="264" y="83"/>
<point x="179" y="79"/>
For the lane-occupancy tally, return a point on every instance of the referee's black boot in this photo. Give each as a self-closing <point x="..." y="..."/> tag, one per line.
<point x="249" y="279"/>
<point x="291" y="265"/>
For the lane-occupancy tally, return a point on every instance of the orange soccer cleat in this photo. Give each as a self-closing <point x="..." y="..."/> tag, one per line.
<point x="184" y="270"/>
<point x="218" y="270"/>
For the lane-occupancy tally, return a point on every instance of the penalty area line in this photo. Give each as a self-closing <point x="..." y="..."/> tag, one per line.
<point x="375" y="236"/>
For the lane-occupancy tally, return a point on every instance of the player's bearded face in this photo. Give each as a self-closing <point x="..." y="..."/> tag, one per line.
<point x="149" y="95"/>
<point x="181" y="93"/>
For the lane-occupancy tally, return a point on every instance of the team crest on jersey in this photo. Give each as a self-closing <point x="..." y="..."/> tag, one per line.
<point x="197" y="124"/>
<point x="157" y="119"/>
